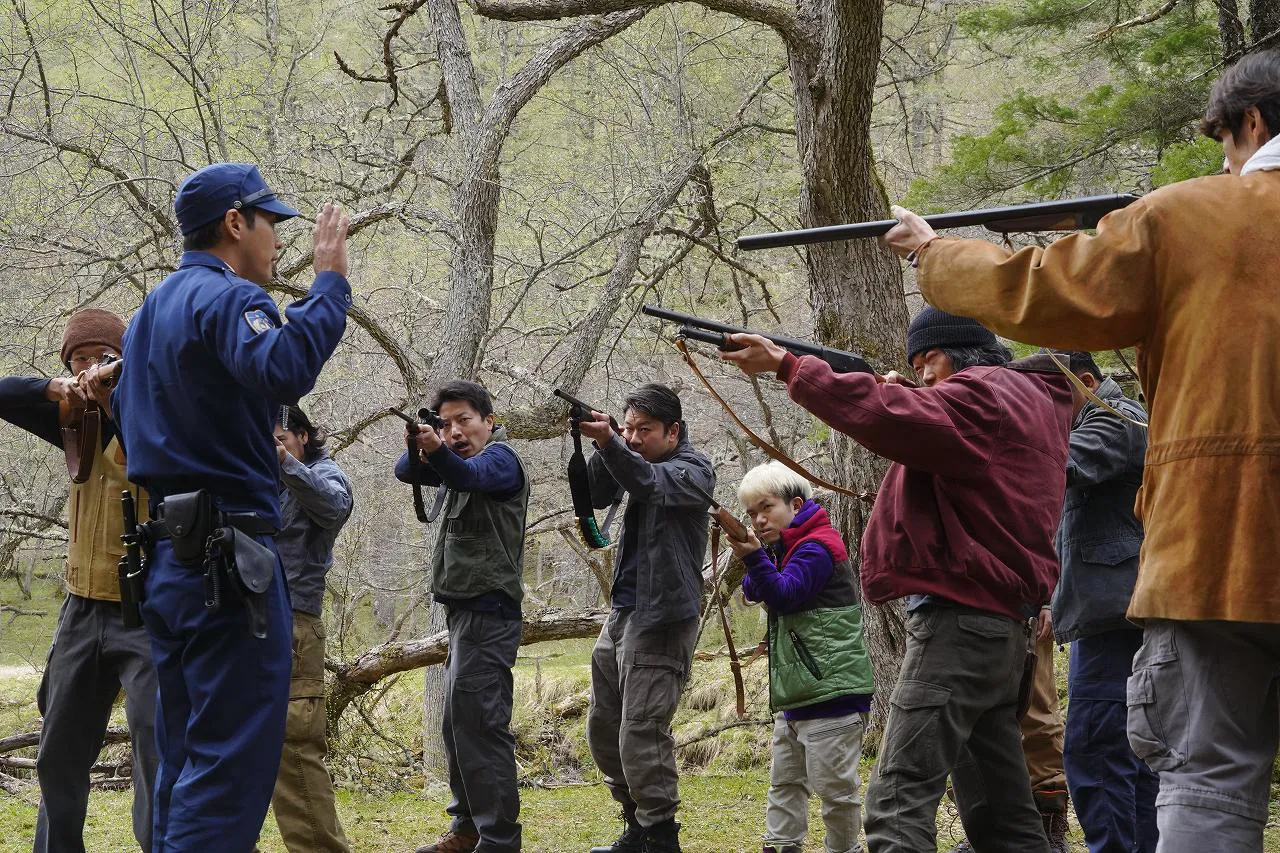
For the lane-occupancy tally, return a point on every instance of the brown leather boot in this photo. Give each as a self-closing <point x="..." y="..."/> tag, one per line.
<point x="452" y="842"/>
<point x="1055" y="827"/>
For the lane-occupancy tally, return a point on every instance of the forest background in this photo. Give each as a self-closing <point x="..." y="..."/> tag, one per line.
<point x="522" y="176"/>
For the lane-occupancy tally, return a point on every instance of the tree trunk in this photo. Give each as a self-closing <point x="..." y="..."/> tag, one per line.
<point x="1264" y="24"/>
<point x="855" y="285"/>
<point x="1230" y="28"/>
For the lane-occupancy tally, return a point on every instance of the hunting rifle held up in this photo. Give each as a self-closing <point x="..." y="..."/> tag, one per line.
<point x="715" y="332"/>
<point x="1069" y="214"/>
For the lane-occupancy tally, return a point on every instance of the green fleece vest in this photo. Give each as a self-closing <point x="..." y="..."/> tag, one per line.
<point x="480" y="547"/>
<point x="818" y="654"/>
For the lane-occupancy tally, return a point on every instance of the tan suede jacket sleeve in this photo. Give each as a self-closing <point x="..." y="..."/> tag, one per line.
<point x="1081" y="292"/>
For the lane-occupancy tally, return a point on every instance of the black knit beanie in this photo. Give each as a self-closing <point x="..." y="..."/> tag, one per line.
<point x="91" y="326"/>
<point x="932" y="329"/>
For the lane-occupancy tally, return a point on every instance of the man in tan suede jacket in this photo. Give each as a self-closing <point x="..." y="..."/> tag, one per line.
<point x="1188" y="274"/>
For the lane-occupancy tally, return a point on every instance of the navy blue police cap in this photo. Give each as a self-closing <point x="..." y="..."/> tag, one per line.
<point x="209" y="193"/>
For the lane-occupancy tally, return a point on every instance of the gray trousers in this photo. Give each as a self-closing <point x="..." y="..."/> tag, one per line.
<point x="819" y="756"/>
<point x="1203" y="714"/>
<point x="478" y="743"/>
<point x="954" y="711"/>
<point x="92" y="657"/>
<point x="637" y="675"/>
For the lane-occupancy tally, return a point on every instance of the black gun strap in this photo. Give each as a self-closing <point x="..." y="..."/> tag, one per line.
<point x="442" y="492"/>
<point x="419" y="506"/>
<point x="580" y="493"/>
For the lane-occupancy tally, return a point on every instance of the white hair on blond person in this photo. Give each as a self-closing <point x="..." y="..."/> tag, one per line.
<point x="772" y="478"/>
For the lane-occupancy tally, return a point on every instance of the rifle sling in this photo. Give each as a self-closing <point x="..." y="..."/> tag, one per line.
<point x="80" y="442"/>
<point x="1088" y="392"/>
<point x="580" y="492"/>
<point x="769" y="450"/>
<point x="739" y="690"/>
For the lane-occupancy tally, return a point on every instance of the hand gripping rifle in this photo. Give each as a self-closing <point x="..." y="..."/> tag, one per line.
<point x="81" y="424"/>
<point x="593" y="534"/>
<point x="431" y="419"/>
<point x="1070" y="214"/>
<point x="716" y="333"/>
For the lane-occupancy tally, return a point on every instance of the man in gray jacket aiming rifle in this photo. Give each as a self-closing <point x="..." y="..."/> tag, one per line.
<point x="641" y="661"/>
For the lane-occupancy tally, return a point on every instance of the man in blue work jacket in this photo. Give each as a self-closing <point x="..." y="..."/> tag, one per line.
<point x="209" y="364"/>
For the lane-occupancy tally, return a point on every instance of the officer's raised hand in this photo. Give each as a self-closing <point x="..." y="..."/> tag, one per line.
<point x="331" y="240"/>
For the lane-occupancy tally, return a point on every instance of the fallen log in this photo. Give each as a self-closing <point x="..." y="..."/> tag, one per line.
<point x="355" y="678"/>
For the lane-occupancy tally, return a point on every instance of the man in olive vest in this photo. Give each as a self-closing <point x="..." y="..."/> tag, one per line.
<point x="476" y="573"/>
<point x="93" y="653"/>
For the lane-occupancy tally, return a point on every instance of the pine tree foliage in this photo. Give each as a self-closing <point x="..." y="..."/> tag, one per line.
<point x="1108" y="99"/>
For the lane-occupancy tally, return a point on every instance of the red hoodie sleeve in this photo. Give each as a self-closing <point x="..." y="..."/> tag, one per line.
<point x="949" y="429"/>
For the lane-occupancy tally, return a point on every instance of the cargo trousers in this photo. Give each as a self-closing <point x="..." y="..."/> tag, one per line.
<point x="637" y="675"/>
<point x="954" y="712"/>
<point x="1204" y="713"/>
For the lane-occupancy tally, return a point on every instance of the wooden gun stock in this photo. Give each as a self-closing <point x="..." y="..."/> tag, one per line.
<point x="732" y="527"/>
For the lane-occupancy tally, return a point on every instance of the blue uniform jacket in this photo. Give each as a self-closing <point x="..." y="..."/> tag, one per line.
<point x="207" y="366"/>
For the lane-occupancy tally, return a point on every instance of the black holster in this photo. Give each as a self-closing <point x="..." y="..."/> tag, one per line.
<point x="131" y="593"/>
<point x="189" y="519"/>
<point x="223" y="544"/>
<point x="250" y="565"/>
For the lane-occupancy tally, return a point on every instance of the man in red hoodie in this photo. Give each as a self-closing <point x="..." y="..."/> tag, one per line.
<point x="963" y="527"/>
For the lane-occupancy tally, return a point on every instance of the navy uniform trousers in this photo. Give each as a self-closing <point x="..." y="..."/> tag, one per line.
<point x="220" y="720"/>
<point x="1113" y="790"/>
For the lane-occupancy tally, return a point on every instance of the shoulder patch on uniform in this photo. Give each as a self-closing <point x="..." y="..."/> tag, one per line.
<point x="258" y="321"/>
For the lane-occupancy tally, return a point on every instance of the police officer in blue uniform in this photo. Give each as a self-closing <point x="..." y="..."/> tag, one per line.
<point x="208" y="366"/>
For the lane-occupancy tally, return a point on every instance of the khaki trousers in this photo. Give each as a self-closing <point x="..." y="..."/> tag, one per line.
<point x="1042" y="731"/>
<point x="815" y="757"/>
<point x="303" y="800"/>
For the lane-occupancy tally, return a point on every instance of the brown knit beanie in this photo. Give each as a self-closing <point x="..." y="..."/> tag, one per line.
<point x="92" y="326"/>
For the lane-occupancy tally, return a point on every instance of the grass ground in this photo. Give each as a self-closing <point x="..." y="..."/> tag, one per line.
<point x="381" y="798"/>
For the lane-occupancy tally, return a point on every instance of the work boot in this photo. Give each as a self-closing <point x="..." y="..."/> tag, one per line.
<point x="1055" y="827"/>
<point x="630" y="841"/>
<point x="663" y="838"/>
<point x="452" y="842"/>
<point x="963" y="847"/>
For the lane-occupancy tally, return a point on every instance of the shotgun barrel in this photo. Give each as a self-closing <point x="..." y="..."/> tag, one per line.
<point x="714" y="332"/>
<point x="1064" y="215"/>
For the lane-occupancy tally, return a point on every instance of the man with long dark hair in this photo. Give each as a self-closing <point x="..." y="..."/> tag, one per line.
<point x="1187" y="274"/>
<point x="962" y="527"/>
<point x="315" y="502"/>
